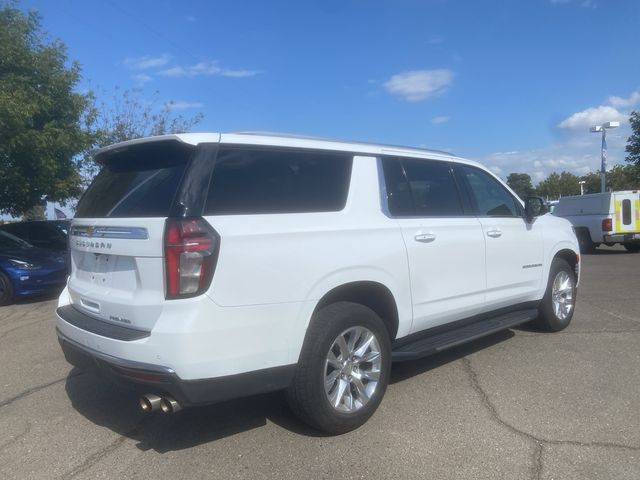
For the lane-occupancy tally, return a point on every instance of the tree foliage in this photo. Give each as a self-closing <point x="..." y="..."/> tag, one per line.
<point x="42" y="119"/>
<point x="129" y="116"/>
<point x="37" y="212"/>
<point x="620" y="177"/>
<point x="521" y="184"/>
<point x="633" y="143"/>
<point x="559" y="185"/>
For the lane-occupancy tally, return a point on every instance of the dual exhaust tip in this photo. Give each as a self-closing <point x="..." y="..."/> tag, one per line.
<point x="152" y="403"/>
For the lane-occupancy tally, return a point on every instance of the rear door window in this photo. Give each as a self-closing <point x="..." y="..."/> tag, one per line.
<point x="424" y="188"/>
<point x="140" y="181"/>
<point x="249" y="181"/>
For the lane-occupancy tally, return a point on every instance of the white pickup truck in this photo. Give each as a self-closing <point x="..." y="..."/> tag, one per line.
<point x="603" y="218"/>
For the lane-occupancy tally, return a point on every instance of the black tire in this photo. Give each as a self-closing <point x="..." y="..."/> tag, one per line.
<point x="632" y="247"/>
<point x="6" y="290"/>
<point x="548" y="319"/>
<point x="306" y="394"/>
<point x="585" y="242"/>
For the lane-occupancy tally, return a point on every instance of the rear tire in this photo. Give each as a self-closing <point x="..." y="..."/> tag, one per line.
<point x="343" y="370"/>
<point x="6" y="290"/>
<point x="632" y="247"/>
<point x="585" y="242"/>
<point x="558" y="303"/>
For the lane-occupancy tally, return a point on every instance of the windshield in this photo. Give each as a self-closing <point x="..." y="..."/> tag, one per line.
<point x="10" y="242"/>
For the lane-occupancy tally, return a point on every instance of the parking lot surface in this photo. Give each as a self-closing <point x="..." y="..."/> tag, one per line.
<point x="517" y="405"/>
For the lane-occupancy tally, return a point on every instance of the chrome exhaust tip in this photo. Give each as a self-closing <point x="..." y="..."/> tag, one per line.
<point x="169" y="405"/>
<point x="149" y="402"/>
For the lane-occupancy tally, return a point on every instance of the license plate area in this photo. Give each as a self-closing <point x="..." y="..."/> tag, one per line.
<point x="108" y="271"/>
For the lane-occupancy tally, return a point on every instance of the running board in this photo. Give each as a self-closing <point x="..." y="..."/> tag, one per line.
<point x="429" y="345"/>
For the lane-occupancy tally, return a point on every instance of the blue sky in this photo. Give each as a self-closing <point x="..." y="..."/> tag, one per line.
<point x="512" y="83"/>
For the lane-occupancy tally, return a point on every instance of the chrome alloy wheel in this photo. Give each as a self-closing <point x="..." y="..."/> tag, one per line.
<point x="562" y="295"/>
<point x="352" y="369"/>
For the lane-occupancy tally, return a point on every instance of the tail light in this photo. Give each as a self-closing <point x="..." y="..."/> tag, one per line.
<point x="190" y="255"/>
<point x="607" y="225"/>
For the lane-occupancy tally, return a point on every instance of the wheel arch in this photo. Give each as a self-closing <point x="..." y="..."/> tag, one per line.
<point x="371" y="294"/>
<point x="571" y="257"/>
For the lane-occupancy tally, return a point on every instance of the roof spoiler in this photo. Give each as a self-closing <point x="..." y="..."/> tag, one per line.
<point x="100" y="155"/>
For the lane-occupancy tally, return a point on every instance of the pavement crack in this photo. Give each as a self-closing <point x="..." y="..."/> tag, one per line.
<point x="539" y="442"/>
<point x="584" y="332"/>
<point x="104" y="452"/>
<point x="16" y="438"/>
<point x="23" y="325"/>
<point x="36" y="388"/>
<point x="537" y="458"/>
<point x="619" y="316"/>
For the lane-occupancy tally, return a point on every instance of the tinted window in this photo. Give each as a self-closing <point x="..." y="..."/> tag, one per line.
<point x="138" y="182"/>
<point x="9" y="242"/>
<point x="428" y="189"/>
<point x="399" y="200"/>
<point x="626" y="211"/>
<point x="491" y="198"/>
<point x="252" y="181"/>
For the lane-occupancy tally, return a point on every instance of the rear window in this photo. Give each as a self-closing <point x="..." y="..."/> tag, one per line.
<point x="140" y="181"/>
<point x="263" y="181"/>
<point x="626" y="211"/>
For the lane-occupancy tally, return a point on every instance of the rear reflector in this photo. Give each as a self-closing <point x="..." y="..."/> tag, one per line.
<point x="607" y="225"/>
<point x="190" y="254"/>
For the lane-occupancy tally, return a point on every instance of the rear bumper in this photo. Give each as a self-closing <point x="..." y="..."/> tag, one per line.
<point x="622" y="238"/>
<point x="160" y="380"/>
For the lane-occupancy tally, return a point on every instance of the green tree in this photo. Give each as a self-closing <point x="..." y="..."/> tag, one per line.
<point x="37" y="212"/>
<point x="42" y="120"/>
<point x="559" y="185"/>
<point x="521" y="184"/>
<point x="633" y="143"/>
<point x="591" y="182"/>
<point x="623" y="177"/>
<point x="129" y="116"/>
<point x="620" y="177"/>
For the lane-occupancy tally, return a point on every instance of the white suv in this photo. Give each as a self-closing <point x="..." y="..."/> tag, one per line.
<point x="212" y="266"/>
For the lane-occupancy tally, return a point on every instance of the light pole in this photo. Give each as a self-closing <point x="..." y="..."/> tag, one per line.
<point x="582" y="182"/>
<point x="603" y="152"/>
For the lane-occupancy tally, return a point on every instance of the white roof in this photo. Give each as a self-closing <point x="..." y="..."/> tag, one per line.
<point x="295" y="141"/>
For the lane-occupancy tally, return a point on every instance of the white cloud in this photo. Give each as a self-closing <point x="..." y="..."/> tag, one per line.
<point x="182" y="105"/>
<point x="621" y="102"/>
<point x="419" y="85"/>
<point x="592" y="116"/>
<point x="147" y="62"/>
<point x="209" y="68"/>
<point x="435" y="40"/>
<point x="576" y="155"/>
<point x="438" y="120"/>
<point x="582" y="3"/>
<point x="141" y="78"/>
<point x="239" y="73"/>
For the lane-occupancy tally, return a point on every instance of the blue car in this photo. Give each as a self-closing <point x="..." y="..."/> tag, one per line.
<point x="26" y="270"/>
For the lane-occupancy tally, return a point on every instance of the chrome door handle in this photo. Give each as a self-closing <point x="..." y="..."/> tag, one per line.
<point x="425" y="237"/>
<point x="494" y="233"/>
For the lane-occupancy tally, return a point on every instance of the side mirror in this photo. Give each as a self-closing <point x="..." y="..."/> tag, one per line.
<point x="534" y="207"/>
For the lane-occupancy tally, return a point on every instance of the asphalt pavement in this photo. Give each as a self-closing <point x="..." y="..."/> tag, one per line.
<point x="517" y="405"/>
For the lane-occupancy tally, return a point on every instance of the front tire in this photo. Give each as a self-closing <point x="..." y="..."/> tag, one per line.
<point x="558" y="303"/>
<point x="343" y="370"/>
<point x="632" y="247"/>
<point x="6" y="290"/>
